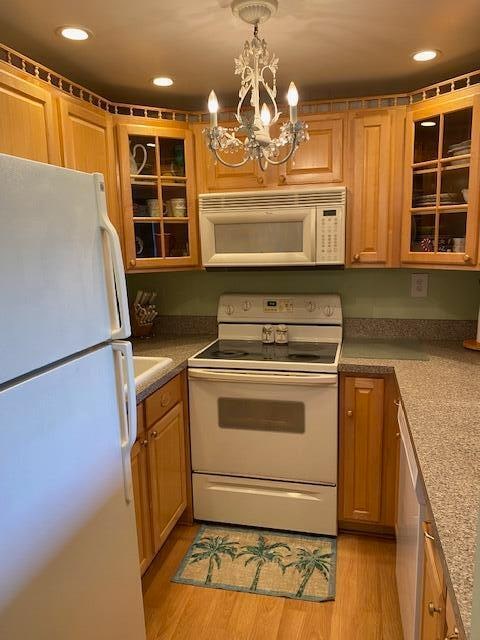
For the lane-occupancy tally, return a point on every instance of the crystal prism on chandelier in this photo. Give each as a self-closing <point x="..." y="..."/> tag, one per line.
<point x="257" y="69"/>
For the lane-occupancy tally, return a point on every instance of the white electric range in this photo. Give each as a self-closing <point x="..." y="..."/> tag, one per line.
<point x="263" y="417"/>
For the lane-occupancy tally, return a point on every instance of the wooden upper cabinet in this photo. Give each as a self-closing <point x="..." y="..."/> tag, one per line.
<point x="442" y="173"/>
<point x="317" y="161"/>
<point x="88" y="145"/>
<point x="158" y="195"/>
<point x="28" y="126"/>
<point x="212" y="175"/>
<point x="320" y="159"/>
<point x="375" y="162"/>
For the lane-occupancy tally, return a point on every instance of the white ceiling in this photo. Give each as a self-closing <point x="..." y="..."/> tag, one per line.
<point x="328" y="47"/>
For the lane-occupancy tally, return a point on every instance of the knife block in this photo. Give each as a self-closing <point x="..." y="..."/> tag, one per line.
<point x="141" y="330"/>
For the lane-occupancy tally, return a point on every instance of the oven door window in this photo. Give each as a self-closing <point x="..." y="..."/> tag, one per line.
<point x="279" y="416"/>
<point x="259" y="237"/>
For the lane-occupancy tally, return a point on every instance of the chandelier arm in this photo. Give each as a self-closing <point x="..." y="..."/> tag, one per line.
<point x="232" y="165"/>
<point x="293" y="148"/>
<point x="271" y="92"/>
<point x="263" y="165"/>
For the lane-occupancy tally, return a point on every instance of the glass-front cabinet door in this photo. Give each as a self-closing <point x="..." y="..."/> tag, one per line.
<point x="158" y="197"/>
<point x="442" y="182"/>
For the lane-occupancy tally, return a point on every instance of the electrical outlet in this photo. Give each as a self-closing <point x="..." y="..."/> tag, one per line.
<point x="419" y="285"/>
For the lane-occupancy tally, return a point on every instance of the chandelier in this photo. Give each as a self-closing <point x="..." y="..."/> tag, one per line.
<point x="257" y="69"/>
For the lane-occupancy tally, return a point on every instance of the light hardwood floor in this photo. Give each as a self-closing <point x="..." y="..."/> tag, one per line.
<point x="366" y="605"/>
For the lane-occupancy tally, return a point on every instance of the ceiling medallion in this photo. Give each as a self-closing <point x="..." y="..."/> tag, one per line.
<point x="257" y="69"/>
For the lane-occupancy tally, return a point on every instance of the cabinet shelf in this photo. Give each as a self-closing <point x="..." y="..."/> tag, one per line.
<point x="167" y="219"/>
<point x="172" y="180"/>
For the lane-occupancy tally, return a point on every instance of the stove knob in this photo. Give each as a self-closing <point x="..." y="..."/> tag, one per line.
<point x="247" y="305"/>
<point x="328" y="311"/>
<point x="311" y="306"/>
<point x="229" y="309"/>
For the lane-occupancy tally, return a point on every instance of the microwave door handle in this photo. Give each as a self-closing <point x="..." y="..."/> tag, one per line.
<point x="264" y="378"/>
<point x="116" y="285"/>
<point x="127" y="404"/>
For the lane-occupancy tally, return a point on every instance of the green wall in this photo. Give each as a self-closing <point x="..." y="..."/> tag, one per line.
<point x="372" y="293"/>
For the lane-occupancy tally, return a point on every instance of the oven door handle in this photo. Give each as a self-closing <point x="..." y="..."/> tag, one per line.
<point x="264" y="378"/>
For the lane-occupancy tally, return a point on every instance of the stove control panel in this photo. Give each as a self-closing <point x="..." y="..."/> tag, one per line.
<point x="290" y="309"/>
<point x="277" y="305"/>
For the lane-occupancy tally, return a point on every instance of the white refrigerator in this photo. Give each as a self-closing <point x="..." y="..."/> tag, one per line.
<point x="69" y="565"/>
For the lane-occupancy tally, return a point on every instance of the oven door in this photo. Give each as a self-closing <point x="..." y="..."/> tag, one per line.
<point x="258" y="238"/>
<point x="269" y="425"/>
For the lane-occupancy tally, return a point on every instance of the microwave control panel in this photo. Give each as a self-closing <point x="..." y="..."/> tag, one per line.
<point x="330" y="235"/>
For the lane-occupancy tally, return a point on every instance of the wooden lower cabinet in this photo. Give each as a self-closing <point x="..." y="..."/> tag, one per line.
<point x="159" y="468"/>
<point x="368" y="464"/>
<point x="166" y="465"/>
<point x="433" y="595"/>
<point x="142" y="505"/>
<point x="437" y="618"/>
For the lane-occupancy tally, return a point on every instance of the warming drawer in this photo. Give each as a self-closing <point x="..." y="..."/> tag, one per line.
<point x="265" y="503"/>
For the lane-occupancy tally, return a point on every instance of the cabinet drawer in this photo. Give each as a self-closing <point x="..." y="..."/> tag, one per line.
<point x="160" y="402"/>
<point x="140" y="419"/>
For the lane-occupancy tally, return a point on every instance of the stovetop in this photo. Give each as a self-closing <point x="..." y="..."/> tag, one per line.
<point x="256" y="351"/>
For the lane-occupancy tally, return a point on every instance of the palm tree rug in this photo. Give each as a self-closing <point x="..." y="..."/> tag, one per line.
<point x="269" y="562"/>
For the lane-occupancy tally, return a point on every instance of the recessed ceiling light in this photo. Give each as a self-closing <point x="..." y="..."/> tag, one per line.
<point x="428" y="123"/>
<point x="162" y="81"/>
<point x="425" y="56"/>
<point x="74" y="33"/>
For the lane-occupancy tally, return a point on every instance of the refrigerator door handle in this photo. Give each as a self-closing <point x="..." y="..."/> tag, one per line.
<point x="128" y="409"/>
<point x="117" y="288"/>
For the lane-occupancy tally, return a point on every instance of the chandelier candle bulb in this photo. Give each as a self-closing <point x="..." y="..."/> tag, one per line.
<point x="213" y="108"/>
<point x="292" y="98"/>
<point x="265" y="116"/>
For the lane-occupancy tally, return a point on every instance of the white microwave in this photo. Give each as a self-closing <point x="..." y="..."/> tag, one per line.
<point x="273" y="228"/>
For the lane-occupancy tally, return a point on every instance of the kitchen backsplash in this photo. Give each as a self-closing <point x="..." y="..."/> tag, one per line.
<point x="353" y="327"/>
<point x="372" y="293"/>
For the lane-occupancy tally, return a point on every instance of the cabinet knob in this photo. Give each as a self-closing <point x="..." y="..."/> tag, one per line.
<point x="349" y="413"/>
<point x="466" y="258"/>
<point x="165" y="399"/>
<point x="283" y="179"/>
<point x="260" y="180"/>
<point x="356" y="257"/>
<point x="432" y="609"/>
<point x="133" y="262"/>
<point x="154" y="434"/>
<point x="144" y="443"/>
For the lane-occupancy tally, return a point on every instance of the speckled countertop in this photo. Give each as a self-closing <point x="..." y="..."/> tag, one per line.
<point x="178" y="348"/>
<point x="442" y="404"/>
